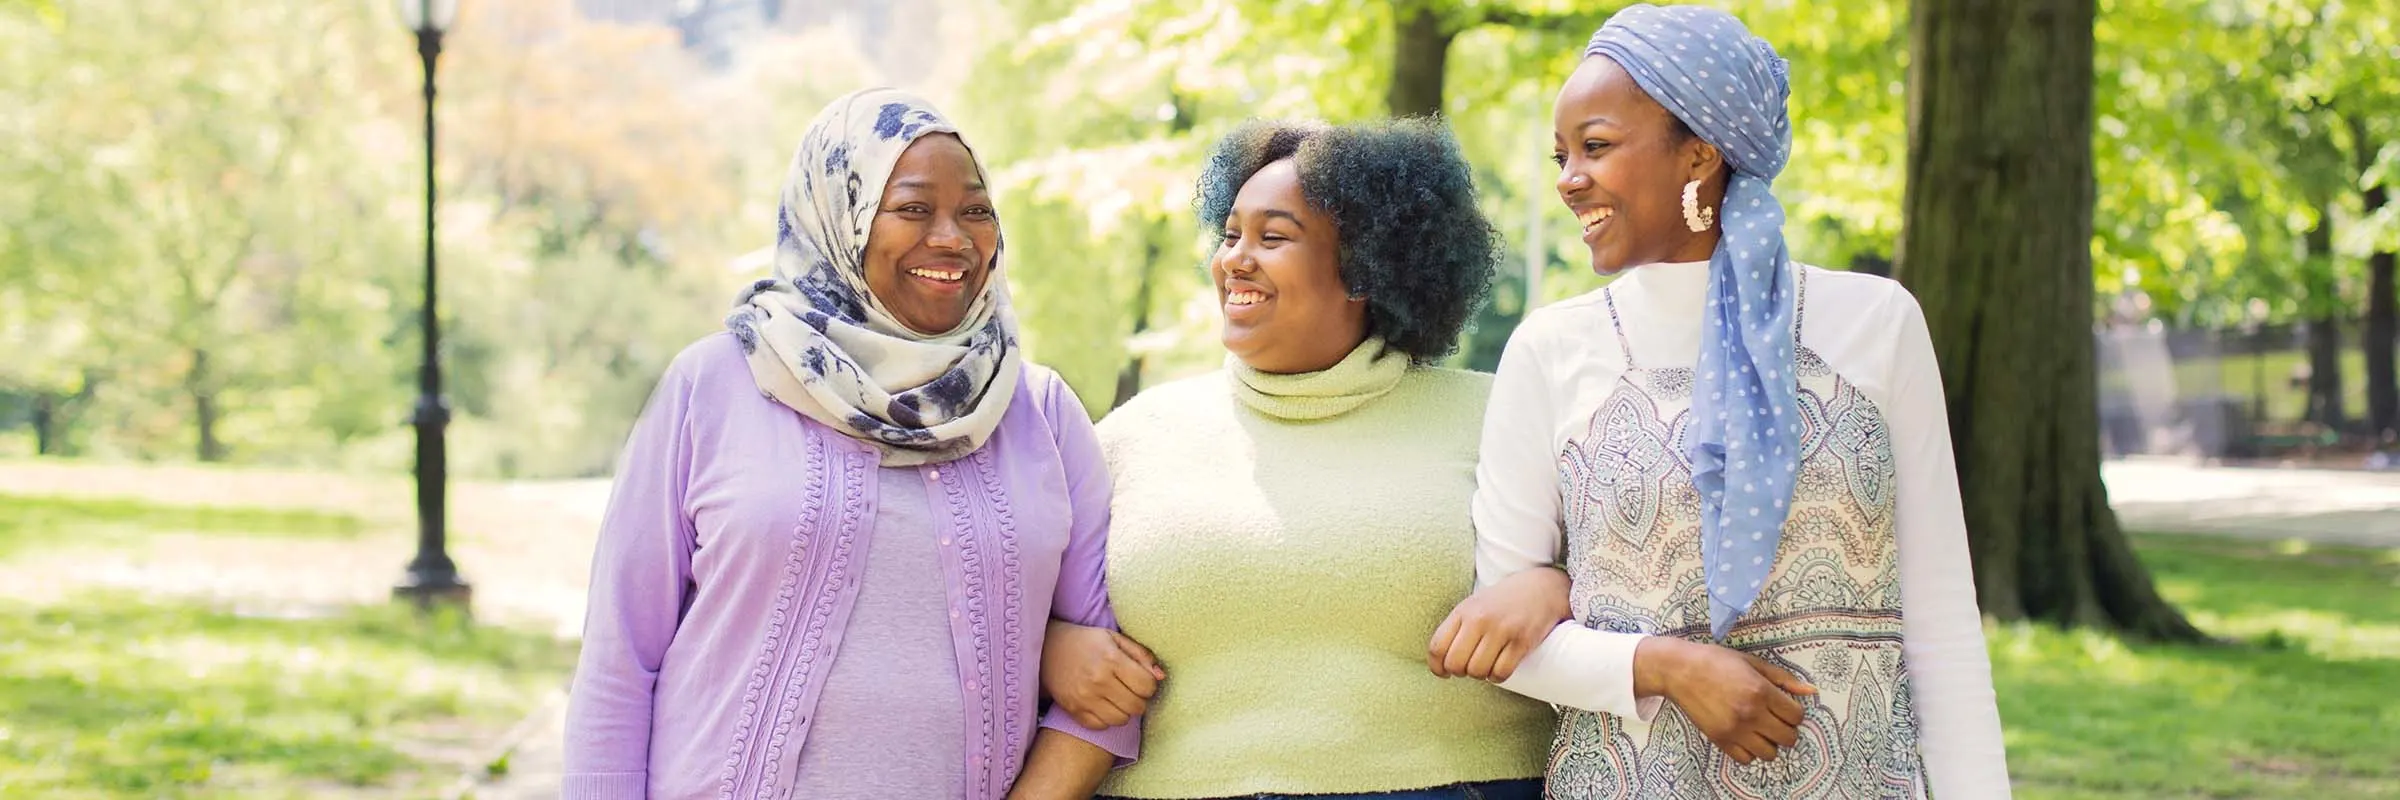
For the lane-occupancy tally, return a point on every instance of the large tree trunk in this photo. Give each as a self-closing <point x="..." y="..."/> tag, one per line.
<point x="2324" y="330"/>
<point x="1420" y="56"/>
<point x="2383" y="390"/>
<point x="1996" y="245"/>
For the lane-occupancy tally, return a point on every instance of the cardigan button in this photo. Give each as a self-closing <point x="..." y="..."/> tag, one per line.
<point x="933" y="474"/>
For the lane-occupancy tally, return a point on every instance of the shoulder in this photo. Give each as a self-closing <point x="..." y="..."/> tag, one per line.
<point x="1049" y="393"/>
<point x="1450" y="390"/>
<point x="714" y="366"/>
<point x="1166" y="402"/>
<point x="1572" y="316"/>
<point x="1856" y="295"/>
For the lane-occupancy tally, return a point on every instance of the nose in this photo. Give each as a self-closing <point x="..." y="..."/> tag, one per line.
<point x="947" y="234"/>
<point x="1235" y="259"/>
<point x="1570" y="181"/>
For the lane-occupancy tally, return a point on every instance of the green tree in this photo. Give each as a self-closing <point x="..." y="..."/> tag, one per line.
<point x="2000" y="194"/>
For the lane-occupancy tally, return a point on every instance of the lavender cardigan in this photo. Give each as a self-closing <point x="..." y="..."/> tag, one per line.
<point x="728" y="564"/>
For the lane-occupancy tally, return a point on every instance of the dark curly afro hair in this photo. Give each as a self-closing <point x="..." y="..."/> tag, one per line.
<point x="1413" y="240"/>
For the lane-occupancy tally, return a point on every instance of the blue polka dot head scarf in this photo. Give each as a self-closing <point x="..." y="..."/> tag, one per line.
<point x="1730" y="88"/>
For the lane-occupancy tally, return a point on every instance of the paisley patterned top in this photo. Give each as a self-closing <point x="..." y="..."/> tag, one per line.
<point x="1581" y="466"/>
<point x="1829" y="609"/>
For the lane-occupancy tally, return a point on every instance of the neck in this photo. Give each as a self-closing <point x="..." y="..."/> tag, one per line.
<point x="1700" y="247"/>
<point x="1308" y="363"/>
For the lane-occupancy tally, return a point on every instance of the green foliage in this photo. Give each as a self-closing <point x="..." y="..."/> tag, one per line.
<point x="227" y="205"/>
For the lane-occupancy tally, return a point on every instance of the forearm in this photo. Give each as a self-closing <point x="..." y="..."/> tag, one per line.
<point x="1061" y="767"/>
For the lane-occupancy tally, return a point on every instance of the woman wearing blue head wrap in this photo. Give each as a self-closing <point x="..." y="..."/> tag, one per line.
<point x="1740" y="465"/>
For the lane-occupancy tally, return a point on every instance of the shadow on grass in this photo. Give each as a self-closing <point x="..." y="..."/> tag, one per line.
<point x="36" y="521"/>
<point x="132" y="698"/>
<point x="2299" y="705"/>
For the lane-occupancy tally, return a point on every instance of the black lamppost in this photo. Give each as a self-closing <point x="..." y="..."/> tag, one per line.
<point x="432" y="578"/>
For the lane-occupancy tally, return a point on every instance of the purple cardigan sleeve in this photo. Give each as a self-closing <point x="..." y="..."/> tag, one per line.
<point x="1082" y="596"/>
<point x="641" y="571"/>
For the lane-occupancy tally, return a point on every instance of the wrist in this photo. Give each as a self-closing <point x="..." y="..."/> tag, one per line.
<point x="1657" y="662"/>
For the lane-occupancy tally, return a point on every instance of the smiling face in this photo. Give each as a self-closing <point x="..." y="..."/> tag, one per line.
<point x="935" y="236"/>
<point x="1279" y="279"/>
<point x="1623" y="161"/>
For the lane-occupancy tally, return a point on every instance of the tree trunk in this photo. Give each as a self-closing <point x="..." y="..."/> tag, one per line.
<point x="1129" y="379"/>
<point x="45" y="421"/>
<point x="2324" y="331"/>
<point x="202" y="387"/>
<point x="1996" y="245"/>
<point x="2325" y="406"/>
<point x="1420" y="56"/>
<point x="2383" y="391"/>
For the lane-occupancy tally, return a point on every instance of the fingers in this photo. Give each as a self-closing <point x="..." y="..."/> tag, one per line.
<point x="1487" y="651"/>
<point x="1131" y="677"/>
<point x="1785" y="710"/>
<point x="1782" y="678"/>
<point x="1462" y="651"/>
<point x="1760" y="748"/>
<point x="1506" y="666"/>
<point x="1438" y="650"/>
<point x="1736" y="751"/>
<point x="1118" y="707"/>
<point x="1780" y="734"/>
<point x="1140" y="655"/>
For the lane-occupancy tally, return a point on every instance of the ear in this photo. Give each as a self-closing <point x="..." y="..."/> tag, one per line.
<point x="1702" y="160"/>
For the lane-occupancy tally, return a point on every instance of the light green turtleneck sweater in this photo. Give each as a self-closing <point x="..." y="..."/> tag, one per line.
<point x="1286" y="544"/>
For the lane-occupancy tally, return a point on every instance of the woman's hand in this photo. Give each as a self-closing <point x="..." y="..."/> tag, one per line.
<point x="1739" y="701"/>
<point x="1100" y="677"/>
<point x="1491" y="632"/>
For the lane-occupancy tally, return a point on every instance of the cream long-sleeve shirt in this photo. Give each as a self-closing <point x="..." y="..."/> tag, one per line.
<point x="1561" y="364"/>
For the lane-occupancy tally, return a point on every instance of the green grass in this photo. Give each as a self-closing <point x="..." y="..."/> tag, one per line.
<point x="110" y="696"/>
<point x="2238" y="375"/>
<point x="39" y="521"/>
<point x="2300" y="703"/>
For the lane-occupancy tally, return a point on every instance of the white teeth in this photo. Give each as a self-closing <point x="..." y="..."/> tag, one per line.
<point x="938" y="274"/>
<point x="1245" y="298"/>
<point x="1594" y="217"/>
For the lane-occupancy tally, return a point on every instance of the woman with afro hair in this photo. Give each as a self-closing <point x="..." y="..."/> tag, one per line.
<point x="1285" y="531"/>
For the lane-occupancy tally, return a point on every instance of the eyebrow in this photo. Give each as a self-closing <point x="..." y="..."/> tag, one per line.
<point x="972" y="186"/>
<point x="1272" y="213"/>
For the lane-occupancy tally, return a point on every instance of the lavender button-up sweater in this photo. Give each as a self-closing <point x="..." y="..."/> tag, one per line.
<point x="728" y="564"/>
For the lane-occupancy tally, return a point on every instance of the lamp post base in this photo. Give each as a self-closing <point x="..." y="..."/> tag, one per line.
<point x="428" y="592"/>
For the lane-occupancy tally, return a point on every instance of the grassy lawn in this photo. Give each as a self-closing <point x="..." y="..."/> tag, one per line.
<point x="2301" y="704"/>
<point x="2239" y="374"/>
<point x="120" y="695"/>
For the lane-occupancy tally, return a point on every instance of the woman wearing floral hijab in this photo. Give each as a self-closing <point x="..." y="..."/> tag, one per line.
<point x="842" y="526"/>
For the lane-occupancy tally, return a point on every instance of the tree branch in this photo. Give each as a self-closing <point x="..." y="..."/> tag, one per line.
<point x="1579" y="23"/>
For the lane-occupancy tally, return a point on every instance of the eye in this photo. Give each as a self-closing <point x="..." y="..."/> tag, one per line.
<point x="1230" y="236"/>
<point x="913" y="209"/>
<point x="1592" y="147"/>
<point x="979" y="212"/>
<point x="1559" y="158"/>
